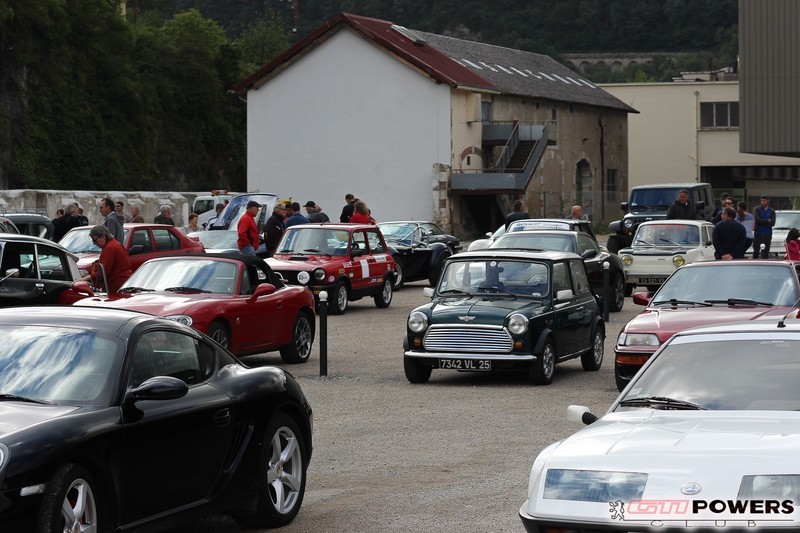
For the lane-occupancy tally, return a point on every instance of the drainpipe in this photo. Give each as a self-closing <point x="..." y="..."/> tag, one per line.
<point x="602" y="172"/>
<point x="696" y="136"/>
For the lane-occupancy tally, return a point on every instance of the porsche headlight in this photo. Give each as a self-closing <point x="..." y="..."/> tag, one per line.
<point x="678" y="260"/>
<point x="770" y="487"/>
<point x="417" y="322"/>
<point x="186" y="320"/>
<point x="303" y="278"/>
<point x="638" y="339"/>
<point x="319" y="274"/>
<point x="593" y="485"/>
<point x="518" y="324"/>
<point x="627" y="259"/>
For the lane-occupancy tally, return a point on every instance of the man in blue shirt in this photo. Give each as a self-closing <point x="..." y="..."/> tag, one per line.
<point x="295" y="217"/>
<point x="765" y="220"/>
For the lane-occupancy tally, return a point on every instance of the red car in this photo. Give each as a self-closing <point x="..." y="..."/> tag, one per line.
<point x="349" y="261"/>
<point x="233" y="298"/>
<point x="143" y="241"/>
<point x="700" y="294"/>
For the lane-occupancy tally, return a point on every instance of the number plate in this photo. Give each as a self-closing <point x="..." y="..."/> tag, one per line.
<point x="473" y="365"/>
<point x="652" y="281"/>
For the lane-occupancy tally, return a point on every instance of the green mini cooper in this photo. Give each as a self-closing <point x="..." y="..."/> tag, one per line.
<point x="500" y="309"/>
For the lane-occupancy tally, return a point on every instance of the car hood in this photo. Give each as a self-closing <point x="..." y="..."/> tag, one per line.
<point x="15" y="416"/>
<point x="85" y="259"/>
<point x="484" y="310"/>
<point x="659" y="250"/>
<point x="299" y="262"/>
<point x="156" y="303"/>
<point x="666" y="321"/>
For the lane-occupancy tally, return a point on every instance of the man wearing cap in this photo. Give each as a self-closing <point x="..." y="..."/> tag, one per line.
<point x="248" y="231"/>
<point x="765" y="220"/>
<point x="296" y="217"/>
<point x="113" y="257"/>
<point x="315" y="213"/>
<point x="682" y="208"/>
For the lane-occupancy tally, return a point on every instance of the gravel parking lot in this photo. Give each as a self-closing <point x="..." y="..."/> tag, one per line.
<point x="450" y="455"/>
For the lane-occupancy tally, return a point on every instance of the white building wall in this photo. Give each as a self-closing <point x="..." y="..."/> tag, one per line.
<point x="347" y="118"/>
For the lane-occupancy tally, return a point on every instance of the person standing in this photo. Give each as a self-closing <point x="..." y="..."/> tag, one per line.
<point x="82" y="220"/>
<point x="765" y="219"/>
<point x="745" y="219"/>
<point x="348" y="209"/>
<point x="58" y="225"/>
<point x="211" y="221"/>
<point x="717" y="216"/>
<point x="193" y="225"/>
<point x="682" y="208"/>
<point x="136" y="214"/>
<point x="314" y="213"/>
<point x="516" y="214"/>
<point x="273" y="233"/>
<point x="247" y="229"/>
<point x="729" y="237"/>
<point x="113" y="257"/>
<point x="576" y="213"/>
<point x="164" y="216"/>
<point x="296" y="217"/>
<point x="361" y="214"/>
<point x="119" y="209"/>
<point x="793" y="245"/>
<point x="111" y="220"/>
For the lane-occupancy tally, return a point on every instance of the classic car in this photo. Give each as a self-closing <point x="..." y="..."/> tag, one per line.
<point x="417" y="253"/>
<point x="115" y="420"/>
<point x="143" y="242"/>
<point x="37" y="271"/>
<point x="583" y="226"/>
<point x="506" y="309"/>
<point x="234" y="298"/>
<point x="700" y="294"/>
<point x="661" y="246"/>
<point x="705" y="437"/>
<point x="348" y="261"/>
<point x="583" y="244"/>
<point x="34" y="224"/>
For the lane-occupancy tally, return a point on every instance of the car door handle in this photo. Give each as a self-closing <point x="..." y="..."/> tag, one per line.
<point x="222" y="418"/>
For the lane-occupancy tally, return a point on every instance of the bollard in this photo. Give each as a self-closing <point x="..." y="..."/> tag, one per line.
<point x="606" y="295"/>
<point x="761" y="251"/>
<point x="323" y="333"/>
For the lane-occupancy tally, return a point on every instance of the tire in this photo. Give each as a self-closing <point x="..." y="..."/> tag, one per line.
<point x="337" y="304"/>
<point x="592" y="359"/>
<point x="629" y="289"/>
<point x="399" y="274"/>
<point x="416" y="372"/>
<point x="220" y="334"/>
<point x="541" y="371"/>
<point x="69" y="503"/>
<point x="619" y="288"/>
<point x="299" y="350"/>
<point x="384" y="298"/>
<point x="621" y="383"/>
<point x="282" y="466"/>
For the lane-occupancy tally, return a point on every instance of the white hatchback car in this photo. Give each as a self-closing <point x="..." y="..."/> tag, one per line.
<point x="660" y="247"/>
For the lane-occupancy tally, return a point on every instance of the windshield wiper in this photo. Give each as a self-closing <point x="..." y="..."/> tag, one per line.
<point x="673" y="301"/>
<point x="669" y="241"/>
<point x="453" y="292"/>
<point x="639" y="207"/>
<point x="22" y="399"/>
<point x="317" y="251"/>
<point x="135" y="289"/>
<point x="739" y="301"/>
<point x="661" y="401"/>
<point x="497" y="289"/>
<point x="185" y="289"/>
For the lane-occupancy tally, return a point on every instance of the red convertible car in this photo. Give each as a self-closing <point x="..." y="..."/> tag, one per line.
<point x="234" y="298"/>
<point x="700" y="294"/>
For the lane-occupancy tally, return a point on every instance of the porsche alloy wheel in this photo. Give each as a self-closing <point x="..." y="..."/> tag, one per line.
<point x="69" y="503"/>
<point x="299" y="350"/>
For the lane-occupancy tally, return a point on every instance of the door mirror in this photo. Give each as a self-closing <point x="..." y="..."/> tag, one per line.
<point x="263" y="289"/>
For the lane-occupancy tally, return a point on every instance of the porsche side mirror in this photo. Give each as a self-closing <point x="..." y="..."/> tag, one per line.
<point x="160" y="388"/>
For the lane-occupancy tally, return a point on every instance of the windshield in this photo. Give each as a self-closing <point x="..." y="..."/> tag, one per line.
<point x="775" y="285"/>
<point x="78" y="241"/>
<point x="787" y="219"/>
<point x="59" y="365"/>
<point x="667" y="235"/>
<point x="311" y="240"/>
<point x="733" y="371"/>
<point x="536" y="241"/>
<point x="205" y="275"/>
<point x="522" y="278"/>
<point x="655" y="199"/>
<point x="398" y="232"/>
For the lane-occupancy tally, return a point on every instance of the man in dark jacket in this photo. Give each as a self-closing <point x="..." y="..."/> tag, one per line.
<point x="729" y="237"/>
<point x="273" y="232"/>
<point x="682" y="208"/>
<point x="516" y="214"/>
<point x="347" y="210"/>
<point x="765" y="220"/>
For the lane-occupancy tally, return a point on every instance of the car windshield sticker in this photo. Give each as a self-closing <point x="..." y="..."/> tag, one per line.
<point x="527" y="224"/>
<point x="364" y="268"/>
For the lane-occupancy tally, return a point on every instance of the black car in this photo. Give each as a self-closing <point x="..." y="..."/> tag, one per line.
<point x="583" y="244"/>
<point x="34" y="224"/>
<point x="506" y="309"/>
<point x="7" y="226"/>
<point x="115" y="420"/>
<point x="419" y="250"/>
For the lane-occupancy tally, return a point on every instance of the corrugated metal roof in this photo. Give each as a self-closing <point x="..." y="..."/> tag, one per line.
<point x="455" y="62"/>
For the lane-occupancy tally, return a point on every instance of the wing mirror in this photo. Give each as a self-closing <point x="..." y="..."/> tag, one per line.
<point x="263" y="289"/>
<point x="563" y="295"/>
<point x="10" y="273"/>
<point x="642" y="298"/>
<point x="588" y="254"/>
<point x="580" y="415"/>
<point x="428" y="292"/>
<point x="160" y="388"/>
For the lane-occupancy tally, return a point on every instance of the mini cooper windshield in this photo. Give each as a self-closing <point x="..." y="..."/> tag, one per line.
<point x="484" y="276"/>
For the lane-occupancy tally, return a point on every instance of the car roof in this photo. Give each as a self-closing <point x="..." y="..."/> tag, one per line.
<point x="676" y="221"/>
<point x="86" y="318"/>
<point x="750" y="263"/>
<point x="334" y="225"/>
<point x="501" y="253"/>
<point x="543" y="231"/>
<point x="16" y="237"/>
<point x="662" y="185"/>
<point x="28" y="217"/>
<point x="417" y="222"/>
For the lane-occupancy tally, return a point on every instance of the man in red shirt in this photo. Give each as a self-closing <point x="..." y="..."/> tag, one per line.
<point x="113" y="257"/>
<point x="247" y="229"/>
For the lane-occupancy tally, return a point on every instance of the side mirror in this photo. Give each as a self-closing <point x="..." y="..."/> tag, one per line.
<point x="263" y="289"/>
<point x="428" y="292"/>
<point x="357" y="253"/>
<point x="624" y="206"/>
<point x="488" y="233"/>
<point x="588" y="254"/>
<point x="83" y="287"/>
<point x="564" y="294"/>
<point x="10" y="273"/>
<point x="642" y="298"/>
<point x="159" y="388"/>
<point x="580" y="415"/>
<point x="135" y="249"/>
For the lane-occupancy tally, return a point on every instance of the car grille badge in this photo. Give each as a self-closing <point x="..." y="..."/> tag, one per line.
<point x="691" y="488"/>
<point x="466" y="318"/>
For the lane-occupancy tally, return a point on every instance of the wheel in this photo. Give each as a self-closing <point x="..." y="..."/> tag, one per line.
<point x="299" y="350"/>
<point x="416" y="372"/>
<point x="281" y="475"/>
<point x="399" y="275"/>
<point x="619" y="288"/>
<point x="629" y="289"/>
<point x="592" y="359"/>
<point x="384" y="298"/>
<point x="337" y="304"/>
<point x="621" y="383"/>
<point x="69" y="503"/>
<point x="542" y="370"/>
<point x="219" y="333"/>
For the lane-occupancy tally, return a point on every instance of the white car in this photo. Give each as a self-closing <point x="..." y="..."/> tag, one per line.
<point x="660" y="247"/>
<point x="705" y="437"/>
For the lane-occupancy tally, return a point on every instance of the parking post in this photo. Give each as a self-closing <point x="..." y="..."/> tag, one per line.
<point x="606" y="296"/>
<point x="323" y="333"/>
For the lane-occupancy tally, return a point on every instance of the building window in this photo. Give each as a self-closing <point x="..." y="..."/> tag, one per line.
<point x="611" y="184"/>
<point x="719" y="115"/>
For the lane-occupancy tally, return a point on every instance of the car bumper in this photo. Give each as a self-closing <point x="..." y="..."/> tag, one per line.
<point x="628" y="362"/>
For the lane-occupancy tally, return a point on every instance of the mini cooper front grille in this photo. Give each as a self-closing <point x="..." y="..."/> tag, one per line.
<point x="487" y="339"/>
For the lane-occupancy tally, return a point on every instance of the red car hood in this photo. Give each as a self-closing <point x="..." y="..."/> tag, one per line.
<point x="301" y="262"/>
<point x="157" y="303"/>
<point x="666" y="321"/>
<point x="86" y="259"/>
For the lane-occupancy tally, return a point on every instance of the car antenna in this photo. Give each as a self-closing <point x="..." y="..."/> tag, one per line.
<point x="782" y="321"/>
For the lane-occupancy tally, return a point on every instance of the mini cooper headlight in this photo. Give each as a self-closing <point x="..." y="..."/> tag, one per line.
<point x="638" y="339"/>
<point x="678" y="260"/>
<point x="593" y="485"/>
<point x="627" y="259"/>
<point x="770" y="487"/>
<point x="186" y="320"/>
<point x="417" y="322"/>
<point x="319" y="274"/>
<point x="518" y="324"/>
<point x="303" y="277"/>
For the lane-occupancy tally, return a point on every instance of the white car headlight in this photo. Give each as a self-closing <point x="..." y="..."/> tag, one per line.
<point x="678" y="260"/>
<point x="303" y="277"/>
<point x="417" y="322"/>
<point x="770" y="487"/>
<point x="627" y="259"/>
<point x="518" y="324"/>
<point x="638" y="339"/>
<point x="593" y="485"/>
<point x="186" y="320"/>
